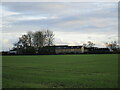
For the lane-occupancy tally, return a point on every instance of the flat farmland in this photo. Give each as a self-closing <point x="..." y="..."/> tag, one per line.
<point x="60" y="71"/>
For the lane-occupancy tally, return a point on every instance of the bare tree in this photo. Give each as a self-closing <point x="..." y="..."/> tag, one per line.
<point x="30" y="37"/>
<point x="89" y="44"/>
<point x="112" y="45"/>
<point x="34" y="41"/>
<point x="84" y="44"/>
<point x="49" y="37"/>
<point x="24" y="40"/>
<point x="38" y="39"/>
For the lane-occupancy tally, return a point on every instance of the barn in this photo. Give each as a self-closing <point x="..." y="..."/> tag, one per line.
<point x="65" y="49"/>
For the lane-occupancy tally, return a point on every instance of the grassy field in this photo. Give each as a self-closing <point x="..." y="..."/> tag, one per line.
<point x="60" y="71"/>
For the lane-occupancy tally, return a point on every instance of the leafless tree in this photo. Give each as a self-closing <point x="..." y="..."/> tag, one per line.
<point x="38" y="39"/>
<point x="30" y="38"/>
<point x="89" y="44"/>
<point x="112" y="45"/>
<point x="49" y="37"/>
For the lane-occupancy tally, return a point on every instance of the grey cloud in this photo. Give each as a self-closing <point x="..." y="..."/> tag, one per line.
<point x="90" y="18"/>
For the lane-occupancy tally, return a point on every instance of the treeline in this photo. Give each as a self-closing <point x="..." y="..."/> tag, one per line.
<point x="34" y="42"/>
<point x="42" y="42"/>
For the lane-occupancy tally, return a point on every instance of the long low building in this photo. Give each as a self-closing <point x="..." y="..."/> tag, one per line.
<point x="60" y="49"/>
<point x="96" y="50"/>
<point x="69" y="49"/>
<point x="65" y="49"/>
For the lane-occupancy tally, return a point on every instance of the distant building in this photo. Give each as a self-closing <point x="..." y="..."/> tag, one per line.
<point x="96" y="50"/>
<point x="65" y="49"/>
<point x="12" y="52"/>
<point x="61" y="49"/>
<point x="5" y="52"/>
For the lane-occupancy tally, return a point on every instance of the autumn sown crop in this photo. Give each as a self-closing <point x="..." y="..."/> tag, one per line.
<point x="60" y="71"/>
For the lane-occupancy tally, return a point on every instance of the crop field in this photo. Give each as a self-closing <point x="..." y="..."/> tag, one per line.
<point x="60" y="71"/>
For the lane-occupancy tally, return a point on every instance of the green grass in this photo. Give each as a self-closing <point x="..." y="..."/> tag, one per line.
<point x="60" y="71"/>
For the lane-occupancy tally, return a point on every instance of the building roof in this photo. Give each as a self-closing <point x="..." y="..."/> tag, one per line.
<point x="96" y="48"/>
<point x="64" y="46"/>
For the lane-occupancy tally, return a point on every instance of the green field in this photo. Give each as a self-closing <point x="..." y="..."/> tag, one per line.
<point x="60" y="71"/>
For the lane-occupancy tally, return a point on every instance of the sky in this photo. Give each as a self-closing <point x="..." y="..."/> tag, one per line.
<point x="73" y="23"/>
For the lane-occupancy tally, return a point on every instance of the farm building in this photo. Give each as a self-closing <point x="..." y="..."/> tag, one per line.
<point x="96" y="50"/>
<point x="65" y="49"/>
<point x="60" y="49"/>
<point x="69" y="49"/>
<point x="12" y="52"/>
<point x="5" y="52"/>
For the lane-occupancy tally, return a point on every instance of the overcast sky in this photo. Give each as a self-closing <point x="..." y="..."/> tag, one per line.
<point x="73" y="23"/>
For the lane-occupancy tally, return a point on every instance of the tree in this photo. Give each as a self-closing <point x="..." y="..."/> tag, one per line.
<point x="34" y="41"/>
<point x="30" y="37"/>
<point x="49" y="37"/>
<point x="24" y="40"/>
<point x="89" y="44"/>
<point x="38" y="39"/>
<point x="112" y="45"/>
<point x="85" y="45"/>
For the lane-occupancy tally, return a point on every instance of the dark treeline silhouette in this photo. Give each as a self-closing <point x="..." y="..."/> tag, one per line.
<point x="41" y="43"/>
<point x="34" y="42"/>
